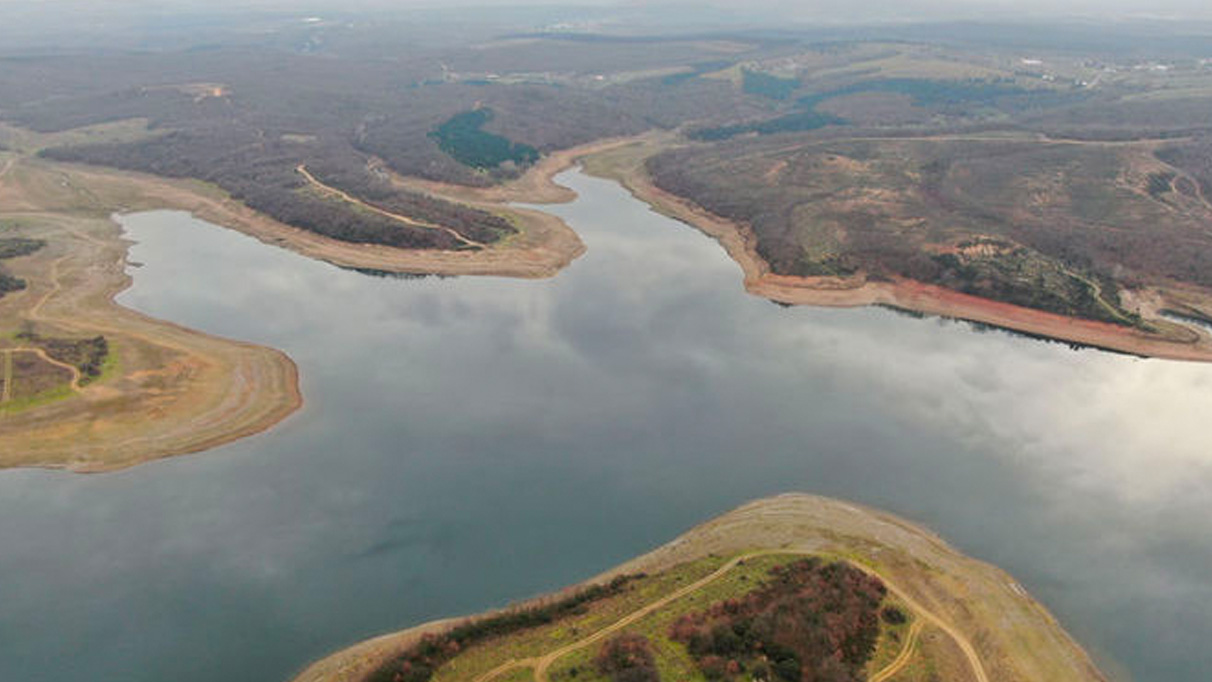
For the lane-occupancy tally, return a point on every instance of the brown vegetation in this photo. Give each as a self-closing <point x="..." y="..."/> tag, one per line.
<point x="26" y="376"/>
<point x="812" y="622"/>
<point x="1166" y="339"/>
<point x="890" y="207"/>
<point x="418" y="663"/>
<point x="627" y="658"/>
<point x="86" y="355"/>
<point x="246" y="124"/>
<point x="988" y="619"/>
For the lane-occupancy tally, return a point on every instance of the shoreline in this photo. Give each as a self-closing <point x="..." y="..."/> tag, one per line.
<point x="266" y="381"/>
<point x="917" y="297"/>
<point x="535" y="186"/>
<point x="1014" y="636"/>
<point x="543" y="246"/>
<point x="183" y="391"/>
<point x="176" y="391"/>
<point x="186" y="391"/>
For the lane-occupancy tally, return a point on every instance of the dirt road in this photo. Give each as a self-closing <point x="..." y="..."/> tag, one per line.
<point x="542" y="664"/>
<point x="411" y="222"/>
<point x="902" y="659"/>
<point x="6" y="393"/>
<point x="77" y="377"/>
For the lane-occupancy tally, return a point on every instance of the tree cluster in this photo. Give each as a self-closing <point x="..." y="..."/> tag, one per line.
<point x="9" y="283"/>
<point x="87" y="355"/>
<point x="463" y="137"/>
<point x="627" y="658"/>
<point x="811" y="622"/>
<point x="262" y="174"/>
<point x="15" y="247"/>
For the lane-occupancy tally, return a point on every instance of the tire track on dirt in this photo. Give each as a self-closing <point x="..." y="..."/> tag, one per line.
<point x="77" y="375"/>
<point x="413" y="222"/>
<point x="7" y="393"/>
<point x="902" y="659"/>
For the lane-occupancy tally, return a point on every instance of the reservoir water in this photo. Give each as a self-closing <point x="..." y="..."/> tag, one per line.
<point x="468" y="442"/>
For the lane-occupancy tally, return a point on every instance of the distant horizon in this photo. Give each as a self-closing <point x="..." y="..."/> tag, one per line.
<point x="830" y="11"/>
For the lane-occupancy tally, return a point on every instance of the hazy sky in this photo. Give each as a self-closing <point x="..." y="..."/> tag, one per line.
<point x="165" y="23"/>
<point x="823" y="8"/>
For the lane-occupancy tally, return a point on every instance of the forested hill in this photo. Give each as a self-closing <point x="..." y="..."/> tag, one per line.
<point x="246" y="118"/>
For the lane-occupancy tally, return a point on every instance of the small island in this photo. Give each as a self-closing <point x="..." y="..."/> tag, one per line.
<point x="787" y="588"/>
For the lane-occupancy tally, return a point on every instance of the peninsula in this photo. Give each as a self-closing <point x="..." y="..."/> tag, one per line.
<point x="89" y="385"/>
<point x="912" y="609"/>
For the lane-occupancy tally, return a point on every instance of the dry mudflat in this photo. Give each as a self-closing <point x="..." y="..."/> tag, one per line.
<point x="983" y="624"/>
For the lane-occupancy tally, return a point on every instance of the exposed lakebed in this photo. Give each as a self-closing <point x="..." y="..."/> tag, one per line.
<point x="468" y="442"/>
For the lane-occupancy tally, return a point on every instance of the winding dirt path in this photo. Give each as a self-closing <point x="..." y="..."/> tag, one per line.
<point x="35" y="311"/>
<point x="543" y="663"/>
<point x="412" y="222"/>
<point x="902" y="659"/>
<point x="77" y="376"/>
<point x="7" y="393"/>
<point x="974" y="659"/>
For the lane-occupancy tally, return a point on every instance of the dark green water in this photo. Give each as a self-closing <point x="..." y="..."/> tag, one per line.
<point x="468" y="442"/>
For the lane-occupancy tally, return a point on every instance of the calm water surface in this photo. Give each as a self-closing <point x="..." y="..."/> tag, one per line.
<point x="468" y="442"/>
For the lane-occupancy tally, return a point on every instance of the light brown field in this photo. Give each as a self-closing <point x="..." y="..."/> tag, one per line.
<point x="171" y="390"/>
<point x="972" y="621"/>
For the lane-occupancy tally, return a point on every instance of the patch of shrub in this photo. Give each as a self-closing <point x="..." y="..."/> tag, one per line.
<point x="8" y="283"/>
<point x="86" y="355"/>
<point x="893" y="615"/>
<point x="627" y="658"/>
<point x="811" y="621"/>
<point x="14" y="247"/>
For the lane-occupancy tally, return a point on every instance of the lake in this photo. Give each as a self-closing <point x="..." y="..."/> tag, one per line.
<point x="469" y="442"/>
